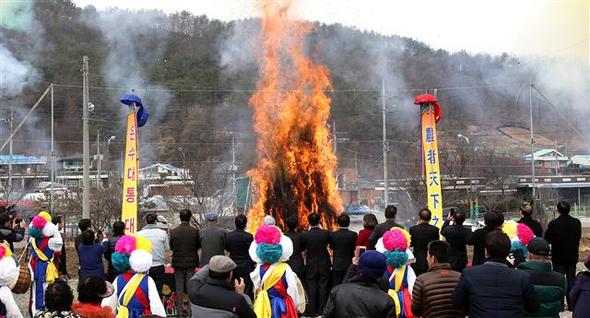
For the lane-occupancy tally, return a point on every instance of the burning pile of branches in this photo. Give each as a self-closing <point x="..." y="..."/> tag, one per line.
<point x="295" y="174"/>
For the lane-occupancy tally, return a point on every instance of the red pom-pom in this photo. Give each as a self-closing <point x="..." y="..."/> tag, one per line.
<point x="524" y="233"/>
<point x="38" y="222"/>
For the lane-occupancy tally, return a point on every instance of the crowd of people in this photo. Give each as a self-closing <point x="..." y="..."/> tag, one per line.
<point x="517" y="270"/>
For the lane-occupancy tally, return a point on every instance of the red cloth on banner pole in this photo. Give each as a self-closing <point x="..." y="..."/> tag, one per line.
<point x="430" y="99"/>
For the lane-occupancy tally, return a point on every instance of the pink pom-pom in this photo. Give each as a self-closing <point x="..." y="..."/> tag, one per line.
<point x="2" y="251"/>
<point x="524" y="233"/>
<point x="395" y="240"/>
<point x="38" y="222"/>
<point x="267" y="234"/>
<point x="125" y="245"/>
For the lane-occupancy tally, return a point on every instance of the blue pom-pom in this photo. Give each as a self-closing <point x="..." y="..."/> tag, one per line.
<point x="396" y="259"/>
<point x="269" y="253"/>
<point x="120" y="262"/>
<point x="35" y="232"/>
<point x="517" y="245"/>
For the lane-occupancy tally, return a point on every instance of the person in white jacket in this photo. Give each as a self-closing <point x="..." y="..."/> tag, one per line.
<point x="133" y="259"/>
<point x="8" y="276"/>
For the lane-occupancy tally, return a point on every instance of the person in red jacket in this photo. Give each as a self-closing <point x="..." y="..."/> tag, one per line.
<point x="369" y="223"/>
<point x="91" y="291"/>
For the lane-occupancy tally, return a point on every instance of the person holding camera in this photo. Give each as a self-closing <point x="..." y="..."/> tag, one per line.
<point x="10" y="230"/>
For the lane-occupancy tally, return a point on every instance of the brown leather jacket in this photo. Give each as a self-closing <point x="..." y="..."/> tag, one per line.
<point x="432" y="293"/>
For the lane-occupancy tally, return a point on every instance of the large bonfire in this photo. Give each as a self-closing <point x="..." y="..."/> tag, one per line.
<point x="295" y="174"/>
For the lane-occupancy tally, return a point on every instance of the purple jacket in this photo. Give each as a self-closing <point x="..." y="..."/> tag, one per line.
<point x="580" y="296"/>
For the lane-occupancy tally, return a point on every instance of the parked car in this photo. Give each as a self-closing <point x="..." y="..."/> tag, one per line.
<point x="357" y="209"/>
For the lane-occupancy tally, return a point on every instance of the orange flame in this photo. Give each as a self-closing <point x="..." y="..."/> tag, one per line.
<point x="295" y="174"/>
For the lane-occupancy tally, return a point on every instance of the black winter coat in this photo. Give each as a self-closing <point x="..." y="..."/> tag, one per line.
<point x="185" y="245"/>
<point x="457" y="236"/>
<point x="237" y="244"/>
<point x="495" y="290"/>
<point x="361" y="298"/>
<point x="296" y="260"/>
<point x="422" y="234"/>
<point x="315" y="242"/>
<point x="564" y="235"/>
<point x="478" y="240"/>
<point x="342" y="243"/>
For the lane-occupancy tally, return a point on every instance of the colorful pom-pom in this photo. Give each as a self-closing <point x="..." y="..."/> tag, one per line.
<point x="517" y="245"/>
<point x="525" y="234"/>
<point x="45" y="215"/>
<point x="38" y="222"/>
<point x="35" y="232"/>
<point x="395" y="240"/>
<point x="510" y="229"/>
<point x="120" y="262"/>
<point x="3" y="250"/>
<point x="268" y="234"/>
<point x="396" y="259"/>
<point x="269" y="253"/>
<point x="142" y="243"/>
<point x="7" y="251"/>
<point x="126" y="244"/>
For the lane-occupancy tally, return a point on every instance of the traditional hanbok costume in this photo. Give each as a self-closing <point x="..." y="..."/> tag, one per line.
<point x="135" y="293"/>
<point x="45" y="243"/>
<point x="278" y="292"/>
<point x="8" y="276"/>
<point x="394" y="245"/>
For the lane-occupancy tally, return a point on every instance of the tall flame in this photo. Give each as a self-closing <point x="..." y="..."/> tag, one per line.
<point x="295" y="174"/>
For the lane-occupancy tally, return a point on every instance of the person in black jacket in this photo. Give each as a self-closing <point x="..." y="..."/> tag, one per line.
<point x="422" y="234"/>
<point x="237" y="244"/>
<point x="296" y="260"/>
<point x="526" y="211"/>
<point x="564" y="234"/>
<point x="342" y="243"/>
<point x="315" y="243"/>
<point x="494" y="289"/>
<point x="118" y="231"/>
<point x="362" y="296"/>
<point x="478" y="238"/>
<point x="457" y="236"/>
<point x="381" y="228"/>
<point x="211" y="292"/>
<point x="185" y="245"/>
<point x="9" y="232"/>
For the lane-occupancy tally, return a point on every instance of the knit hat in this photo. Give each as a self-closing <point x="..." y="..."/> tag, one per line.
<point x="132" y="252"/>
<point x="587" y="262"/>
<point x="8" y="269"/>
<point x="394" y="245"/>
<point x="372" y="264"/>
<point x="270" y="245"/>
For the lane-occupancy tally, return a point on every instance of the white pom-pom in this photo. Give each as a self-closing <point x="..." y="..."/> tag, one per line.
<point x="140" y="261"/>
<point x="287" y="245"/>
<point x="379" y="247"/>
<point x="252" y="252"/>
<point x="8" y="271"/>
<point x="49" y="229"/>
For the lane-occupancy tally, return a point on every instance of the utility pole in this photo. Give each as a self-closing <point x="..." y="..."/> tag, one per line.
<point x="385" y="148"/>
<point x="85" y="142"/>
<point x="98" y="160"/>
<point x="532" y="142"/>
<point x="10" y="151"/>
<point x="52" y="156"/>
<point x="233" y="170"/>
<point x="335" y="140"/>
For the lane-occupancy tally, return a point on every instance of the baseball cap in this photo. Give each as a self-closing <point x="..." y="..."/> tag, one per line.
<point x="221" y="264"/>
<point x="539" y="246"/>
<point x="372" y="264"/>
<point x="211" y="216"/>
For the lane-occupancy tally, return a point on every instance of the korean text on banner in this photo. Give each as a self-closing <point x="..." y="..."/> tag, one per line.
<point x="130" y="175"/>
<point x="431" y="165"/>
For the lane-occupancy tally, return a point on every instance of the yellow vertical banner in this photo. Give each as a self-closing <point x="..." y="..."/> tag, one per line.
<point x="431" y="164"/>
<point x="130" y="174"/>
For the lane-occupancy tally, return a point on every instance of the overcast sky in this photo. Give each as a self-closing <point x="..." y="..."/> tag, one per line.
<point x="524" y="27"/>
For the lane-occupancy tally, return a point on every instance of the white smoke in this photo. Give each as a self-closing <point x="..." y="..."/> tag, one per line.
<point x="15" y="75"/>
